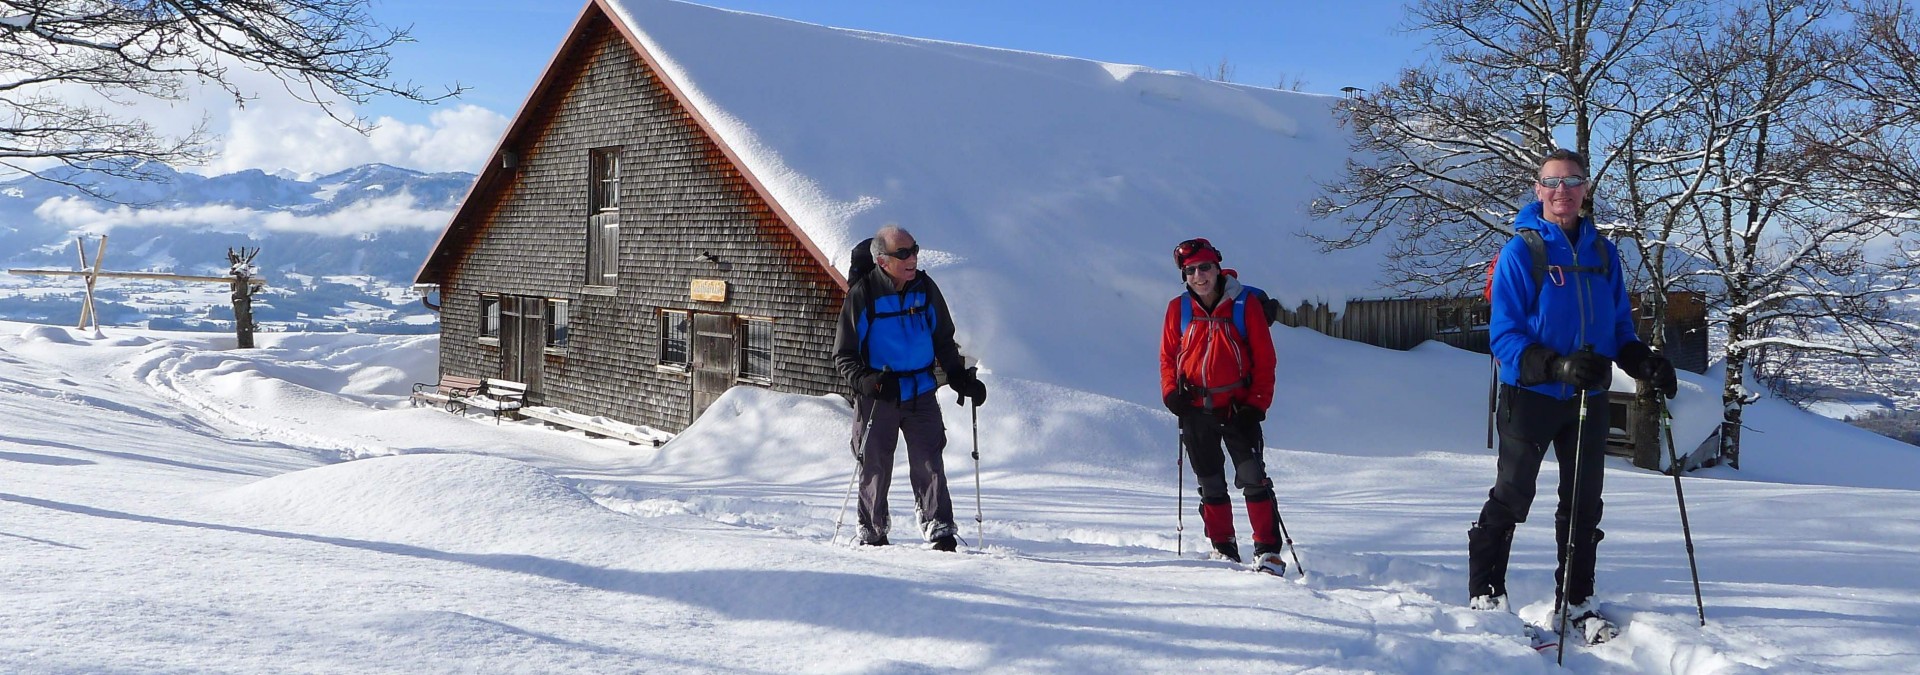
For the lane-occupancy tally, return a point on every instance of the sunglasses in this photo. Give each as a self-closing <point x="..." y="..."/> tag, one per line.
<point x="1191" y="270"/>
<point x="904" y="253"/>
<point x="1552" y="182"/>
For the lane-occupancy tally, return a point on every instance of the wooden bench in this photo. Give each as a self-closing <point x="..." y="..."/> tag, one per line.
<point x="593" y="429"/>
<point x="449" y="393"/>
<point x="499" y="397"/>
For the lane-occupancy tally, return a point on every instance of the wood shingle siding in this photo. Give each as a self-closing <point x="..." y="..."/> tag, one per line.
<point x="685" y="212"/>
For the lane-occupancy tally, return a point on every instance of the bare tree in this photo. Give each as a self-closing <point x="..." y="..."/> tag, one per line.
<point x="329" y="53"/>
<point x="1446" y="155"/>
<point x="1763" y="154"/>
<point x="1782" y="177"/>
<point x="1221" y="71"/>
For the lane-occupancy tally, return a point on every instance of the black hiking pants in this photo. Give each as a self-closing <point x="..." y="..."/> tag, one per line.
<point x="920" y="421"/>
<point x="1205" y="433"/>
<point x="1528" y="423"/>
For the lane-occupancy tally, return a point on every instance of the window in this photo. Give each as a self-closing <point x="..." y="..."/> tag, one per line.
<point x="605" y="168"/>
<point x="603" y="217"/>
<point x="673" y="339"/>
<point x="557" y="324"/>
<point x="756" y="351"/>
<point x="490" y="316"/>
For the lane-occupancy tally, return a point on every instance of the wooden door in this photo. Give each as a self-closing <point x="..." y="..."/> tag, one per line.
<point x="715" y="358"/>
<point x="523" y="339"/>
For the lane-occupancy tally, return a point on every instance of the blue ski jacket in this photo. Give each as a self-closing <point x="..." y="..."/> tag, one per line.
<point x="906" y="333"/>
<point x="1578" y="302"/>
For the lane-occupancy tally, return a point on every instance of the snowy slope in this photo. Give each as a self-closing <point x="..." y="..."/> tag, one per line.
<point x="170" y="506"/>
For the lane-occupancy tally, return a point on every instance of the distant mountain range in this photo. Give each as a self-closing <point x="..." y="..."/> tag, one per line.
<point x="338" y="250"/>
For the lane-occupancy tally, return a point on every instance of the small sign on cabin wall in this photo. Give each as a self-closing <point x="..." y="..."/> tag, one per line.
<point x="708" y="290"/>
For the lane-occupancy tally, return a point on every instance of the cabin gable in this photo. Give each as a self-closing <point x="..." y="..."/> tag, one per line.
<point x="699" y="248"/>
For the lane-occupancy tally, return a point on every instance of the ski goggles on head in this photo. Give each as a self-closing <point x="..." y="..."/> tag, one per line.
<point x="1191" y="270"/>
<point x="904" y="253"/>
<point x="1192" y="247"/>
<point x="1552" y="182"/>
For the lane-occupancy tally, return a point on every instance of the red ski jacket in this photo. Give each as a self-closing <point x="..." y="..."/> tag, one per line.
<point x="1211" y="358"/>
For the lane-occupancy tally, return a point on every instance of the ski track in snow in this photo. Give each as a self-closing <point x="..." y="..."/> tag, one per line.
<point x="1078" y="569"/>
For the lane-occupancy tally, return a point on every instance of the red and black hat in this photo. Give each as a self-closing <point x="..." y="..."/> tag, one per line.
<point x="1194" y="251"/>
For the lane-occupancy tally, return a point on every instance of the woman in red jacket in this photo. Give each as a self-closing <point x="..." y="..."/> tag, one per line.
<point x="1216" y="375"/>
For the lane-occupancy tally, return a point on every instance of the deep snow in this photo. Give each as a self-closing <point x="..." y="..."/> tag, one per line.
<point x="170" y="505"/>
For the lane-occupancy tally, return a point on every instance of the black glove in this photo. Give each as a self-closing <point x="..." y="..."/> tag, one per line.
<point x="1177" y="403"/>
<point x="1660" y="372"/>
<point x="1247" y="418"/>
<point x="967" y="384"/>
<point x="1583" y="369"/>
<point x="883" y="385"/>
<point x="1649" y="366"/>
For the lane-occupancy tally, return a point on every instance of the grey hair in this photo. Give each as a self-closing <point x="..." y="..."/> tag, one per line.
<point x="883" y="238"/>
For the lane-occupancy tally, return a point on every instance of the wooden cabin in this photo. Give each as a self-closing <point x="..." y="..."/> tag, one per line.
<point x="667" y="214"/>
<point x="616" y="259"/>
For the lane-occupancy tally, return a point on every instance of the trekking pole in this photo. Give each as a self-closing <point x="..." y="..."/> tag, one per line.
<point x="1493" y="396"/>
<point x="859" y="459"/>
<point x="1673" y="464"/>
<point x="979" y="523"/>
<point x="1180" y="492"/>
<point x="1573" y="522"/>
<point x="1288" y="539"/>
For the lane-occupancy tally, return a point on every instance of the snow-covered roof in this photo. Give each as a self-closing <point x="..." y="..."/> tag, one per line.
<point x="1047" y="192"/>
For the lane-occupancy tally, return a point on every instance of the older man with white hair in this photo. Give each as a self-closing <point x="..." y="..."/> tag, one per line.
<point x="894" y="330"/>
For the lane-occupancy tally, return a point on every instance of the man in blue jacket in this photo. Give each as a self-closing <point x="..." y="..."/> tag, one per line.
<point x="1557" y="338"/>
<point x="894" y="330"/>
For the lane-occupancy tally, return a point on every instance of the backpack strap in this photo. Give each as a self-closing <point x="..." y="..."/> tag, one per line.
<point x="1538" y="267"/>
<point x="1537" y="253"/>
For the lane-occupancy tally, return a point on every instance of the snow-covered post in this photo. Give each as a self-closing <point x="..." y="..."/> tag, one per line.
<point x="241" y="267"/>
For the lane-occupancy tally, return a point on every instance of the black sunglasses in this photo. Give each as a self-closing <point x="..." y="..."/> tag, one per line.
<point x="1191" y="270"/>
<point x="904" y="253"/>
<point x="1557" y="181"/>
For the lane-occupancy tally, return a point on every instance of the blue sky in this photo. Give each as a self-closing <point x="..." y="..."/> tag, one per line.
<point x="498" y="47"/>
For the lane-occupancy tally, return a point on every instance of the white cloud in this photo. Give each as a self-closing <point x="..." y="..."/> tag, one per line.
<point x="274" y="130"/>
<point x="397" y="212"/>
<point x="305" y="140"/>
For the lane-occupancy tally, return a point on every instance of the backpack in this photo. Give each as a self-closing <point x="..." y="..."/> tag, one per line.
<point x="1537" y="251"/>
<point x="1252" y="293"/>
<point x="861" y="262"/>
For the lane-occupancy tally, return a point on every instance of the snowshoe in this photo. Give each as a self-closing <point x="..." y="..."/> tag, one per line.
<point x="1489" y="603"/>
<point x="1541" y="638"/>
<point x="1270" y="563"/>
<point x="1585" y="623"/>
<point x="945" y="543"/>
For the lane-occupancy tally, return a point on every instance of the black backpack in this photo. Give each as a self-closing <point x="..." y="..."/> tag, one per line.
<point x="861" y="263"/>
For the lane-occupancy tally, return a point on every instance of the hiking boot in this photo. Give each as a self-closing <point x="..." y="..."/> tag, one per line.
<point x="868" y="537"/>
<point x="1490" y="603"/>
<point x="1227" y="549"/>
<point x="1586" y="623"/>
<point x="945" y="543"/>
